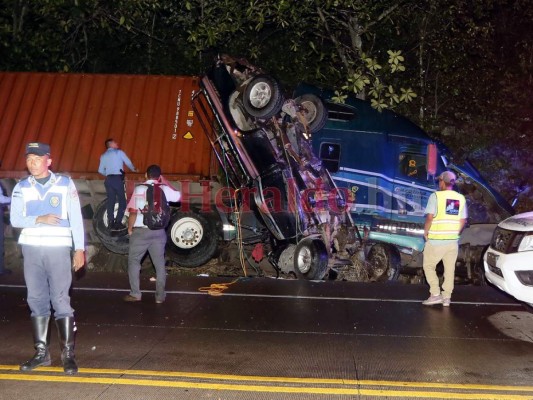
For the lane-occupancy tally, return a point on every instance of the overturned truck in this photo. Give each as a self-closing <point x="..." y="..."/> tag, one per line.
<point x="263" y="144"/>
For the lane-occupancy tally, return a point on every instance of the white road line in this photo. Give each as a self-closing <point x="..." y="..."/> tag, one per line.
<point x="278" y="296"/>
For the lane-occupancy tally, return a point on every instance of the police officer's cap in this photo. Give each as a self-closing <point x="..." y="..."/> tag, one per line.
<point x="39" y="149"/>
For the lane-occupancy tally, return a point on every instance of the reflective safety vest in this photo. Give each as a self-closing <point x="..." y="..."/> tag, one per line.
<point x="446" y="224"/>
<point x="50" y="198"/>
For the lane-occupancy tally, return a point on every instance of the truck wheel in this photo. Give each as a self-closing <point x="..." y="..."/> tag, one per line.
<point x="117" y="244"/>
<point x="384" y="262"/>
<point x="310" y="259"/>
<point x="314" y="111"/>
<point x="192" y="239"/>
<point x="262" y="97"/>
<point x="478" y="273"/>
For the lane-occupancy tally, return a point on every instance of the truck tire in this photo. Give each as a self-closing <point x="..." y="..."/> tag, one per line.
<point x="192" y="239"/>
<point x="116" y="244"/>
<point x="478" y="273"/>
<point x="314" y="111"/>
<point x="262" y="97"/>
<point x="384" y="262"/>
<point x="310" y="259"/>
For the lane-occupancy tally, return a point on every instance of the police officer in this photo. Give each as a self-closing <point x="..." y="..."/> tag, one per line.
<point x="111" y="166"/>
<point x="446" y="214"/>
<point x="47" y="208"/>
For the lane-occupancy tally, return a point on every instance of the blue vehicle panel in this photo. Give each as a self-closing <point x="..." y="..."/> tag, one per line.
<point x="382" y="160"/>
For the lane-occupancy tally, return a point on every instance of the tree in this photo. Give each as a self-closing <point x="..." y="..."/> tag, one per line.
<point x="469" y="61"/>
<point x="337" y="35"/>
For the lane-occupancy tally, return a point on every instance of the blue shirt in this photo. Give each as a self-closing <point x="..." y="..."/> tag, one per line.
<point x="112" y="161"/>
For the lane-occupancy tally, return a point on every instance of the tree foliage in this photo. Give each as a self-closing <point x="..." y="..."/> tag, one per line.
<point x="462" y="69"/>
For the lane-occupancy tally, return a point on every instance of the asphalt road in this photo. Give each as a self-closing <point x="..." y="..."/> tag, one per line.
<point x="261" y="338"/>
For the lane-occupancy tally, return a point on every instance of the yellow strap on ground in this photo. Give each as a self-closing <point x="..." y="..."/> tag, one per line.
<point x="216" y="289"/>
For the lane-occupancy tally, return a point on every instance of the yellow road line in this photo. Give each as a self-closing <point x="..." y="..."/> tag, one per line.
<point x="249" y="378"/>
<point x="307" y="385"/>
<point x="262" y="388"/>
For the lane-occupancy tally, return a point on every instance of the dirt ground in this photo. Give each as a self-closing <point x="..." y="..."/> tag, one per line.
<point x="226" y="264"/>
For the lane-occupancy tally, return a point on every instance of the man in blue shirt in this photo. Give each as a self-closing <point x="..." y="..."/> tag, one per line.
<point x="111" y="166"/>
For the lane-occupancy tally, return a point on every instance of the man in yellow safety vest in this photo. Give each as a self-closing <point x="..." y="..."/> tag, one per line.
<point x="446" y="215"/>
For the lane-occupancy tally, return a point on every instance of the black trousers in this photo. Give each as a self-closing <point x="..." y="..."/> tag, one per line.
<point x="114" y="188"/>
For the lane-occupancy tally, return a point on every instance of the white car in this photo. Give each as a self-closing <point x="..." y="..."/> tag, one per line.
<point x="509" y="259"/>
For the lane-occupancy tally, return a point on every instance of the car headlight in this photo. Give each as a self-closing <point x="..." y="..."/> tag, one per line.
<point x="526" y="244"/>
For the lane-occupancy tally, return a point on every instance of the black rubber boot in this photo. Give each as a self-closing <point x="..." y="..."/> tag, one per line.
<point x="67" y="330"/>
<point x="41" y="340"/>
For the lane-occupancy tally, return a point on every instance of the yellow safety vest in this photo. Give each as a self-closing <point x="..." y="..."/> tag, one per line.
<point x="446" y="223"/>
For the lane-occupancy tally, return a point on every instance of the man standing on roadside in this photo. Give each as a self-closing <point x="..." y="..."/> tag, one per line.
<point x="47" y="208"/>
<point x="143" y="239"/>
<point x="112" y="167"/>
<point x="4" y="200"/>
<point x="446" y="215"/>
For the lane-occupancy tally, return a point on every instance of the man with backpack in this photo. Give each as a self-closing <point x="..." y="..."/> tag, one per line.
<point x="148" y="218"/>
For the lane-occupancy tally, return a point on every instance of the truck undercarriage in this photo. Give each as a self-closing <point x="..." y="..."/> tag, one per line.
<point x="261" y="141"/>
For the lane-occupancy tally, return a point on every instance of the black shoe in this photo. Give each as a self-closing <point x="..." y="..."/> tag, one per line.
<point x="118" y="226"/>
<point x="41" y="358"/>
<point x="119" y="230"/>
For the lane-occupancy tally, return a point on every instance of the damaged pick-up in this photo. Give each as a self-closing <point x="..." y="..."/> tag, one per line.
<point x="263" y="143"/>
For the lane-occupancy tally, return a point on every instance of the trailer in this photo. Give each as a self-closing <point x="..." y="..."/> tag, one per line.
<point x="150" y="116"/>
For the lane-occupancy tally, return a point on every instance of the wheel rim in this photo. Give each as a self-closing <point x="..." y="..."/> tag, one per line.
<point x="260" y="95"/>
<point x="304" y="260"/>
<point x="310" y="111"/>
<point x="186" y="233"/>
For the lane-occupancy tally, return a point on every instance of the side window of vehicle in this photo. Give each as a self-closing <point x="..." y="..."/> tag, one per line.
<point x="330" y="154"/>
<point x="412" y="166"/>
<point x="340" y="112"/>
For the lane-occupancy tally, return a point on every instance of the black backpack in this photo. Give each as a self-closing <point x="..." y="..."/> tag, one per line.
<point x="156" y="212"/>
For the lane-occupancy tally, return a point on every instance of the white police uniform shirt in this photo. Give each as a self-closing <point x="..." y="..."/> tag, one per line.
<point x="31" y="199"/>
